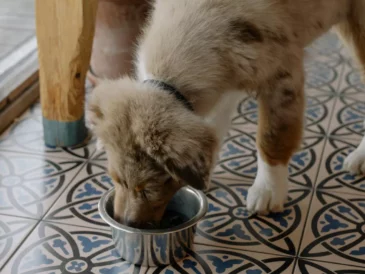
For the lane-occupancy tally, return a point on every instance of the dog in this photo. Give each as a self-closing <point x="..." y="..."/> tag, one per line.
<point x="162" y="129"/>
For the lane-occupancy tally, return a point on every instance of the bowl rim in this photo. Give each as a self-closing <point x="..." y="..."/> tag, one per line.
<point x="114" y="224"/>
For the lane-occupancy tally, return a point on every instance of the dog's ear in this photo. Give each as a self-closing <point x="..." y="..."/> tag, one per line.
<point x="188" y="156"/>
<point x="194" y="172"/>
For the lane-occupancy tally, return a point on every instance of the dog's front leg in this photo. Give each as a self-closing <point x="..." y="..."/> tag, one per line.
<point x="281" y="114"/>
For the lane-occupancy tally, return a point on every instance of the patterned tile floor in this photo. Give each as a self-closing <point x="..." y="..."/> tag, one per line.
<point x="49" y="221"/>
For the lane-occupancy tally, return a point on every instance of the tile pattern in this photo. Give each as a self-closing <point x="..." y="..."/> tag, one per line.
<point x="350" y="108"/>
<point x="29" y="184"/>
<point x="68" y="249"/>
<point x="79" y="203"/>
<point x="49" y="221"/>
<point x="12" y="231"/>
<point x="229" y="225"/>
<point x="337" y="229"/>
<point x="332" y="177"/>
<point x="208" y="259"/>
<point x="313" y="267"/>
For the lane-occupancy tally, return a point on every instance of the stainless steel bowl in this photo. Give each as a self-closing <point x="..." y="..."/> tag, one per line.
<point x="156" y="247"/>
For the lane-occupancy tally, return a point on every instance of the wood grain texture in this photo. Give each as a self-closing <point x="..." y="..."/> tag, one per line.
<point x="65" y="31"/>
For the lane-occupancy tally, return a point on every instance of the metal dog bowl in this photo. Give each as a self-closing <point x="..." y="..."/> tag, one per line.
<point x="156" y="247"/>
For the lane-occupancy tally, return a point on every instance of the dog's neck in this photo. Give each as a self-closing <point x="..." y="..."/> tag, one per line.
<point x="192" y="99"/>
<point x="172" y="90"/>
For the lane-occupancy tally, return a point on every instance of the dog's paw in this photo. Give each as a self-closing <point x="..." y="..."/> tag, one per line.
<point x="262" y="198"/>
<point x="270" y="189"/>
<point x="355" y="161"/>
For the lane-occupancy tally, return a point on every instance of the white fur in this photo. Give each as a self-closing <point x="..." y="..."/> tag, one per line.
<point x="142" y="73"/>
<point x="355" y="161"/>
<point x="270" y="189"/>
<point x="99" y="144"/>
<point x="220" y="116"/>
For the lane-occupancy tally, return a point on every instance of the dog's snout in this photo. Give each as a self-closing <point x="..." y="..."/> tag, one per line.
<point x="117" y="218"/>
<point x="134" y="224"/>
<point x="140" y="224"/>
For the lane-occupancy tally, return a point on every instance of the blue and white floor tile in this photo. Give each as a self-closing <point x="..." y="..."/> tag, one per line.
<point x="229" y="224"/>
<point x="238" y="158"/>
<point x="211" y="259"/>
<point x="349" y="118"/>
<point x="44" y="190"/>
<point x="30" y="183"/>
<point x="351" y="83"/>
<point x="79" y="203"/>
<point x="335" y="229"/>
<point x="65" y="249"/>
<point x="327" y="46"/>
<point x="12" y="232"/>
<point x="318" y="113"/>
<point x="332" y="176"/>
<point x="313" y="267"/>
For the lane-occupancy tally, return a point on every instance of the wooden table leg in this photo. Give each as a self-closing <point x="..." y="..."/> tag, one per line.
<point x="65" y="30"/>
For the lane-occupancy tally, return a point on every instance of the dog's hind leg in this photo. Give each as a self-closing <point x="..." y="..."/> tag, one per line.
<point x="352" y="30"/>
<point x="281" y="115"/>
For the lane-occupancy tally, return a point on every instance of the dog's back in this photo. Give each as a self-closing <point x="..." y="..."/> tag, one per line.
<point x="223" y="45"/>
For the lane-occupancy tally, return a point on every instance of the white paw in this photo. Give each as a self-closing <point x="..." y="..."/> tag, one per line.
<point x="355" y="161"/>
<point x="270" y="189"/>
<point x="263" y="199"/>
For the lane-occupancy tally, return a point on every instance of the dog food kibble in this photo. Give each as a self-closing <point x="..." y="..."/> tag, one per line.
<point x="172" y="219"/>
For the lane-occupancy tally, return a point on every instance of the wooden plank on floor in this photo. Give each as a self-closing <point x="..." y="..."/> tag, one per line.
<point x="17" y="69"/>
<point x="23" y="86"/>
<point x="17" y="107"/>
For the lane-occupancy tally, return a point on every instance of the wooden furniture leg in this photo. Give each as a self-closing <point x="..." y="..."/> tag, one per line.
<point x="65" y="30"/>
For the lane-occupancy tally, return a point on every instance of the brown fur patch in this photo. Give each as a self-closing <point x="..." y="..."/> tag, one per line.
<point x="114" y="176"/>
<point x="97" y="111"/>
<point x="280" y="121"/>
<point x="282" y="74"/>
<point x="319" y="25"/>
<point x="277" y="37"/>
<point x="289" y="96"/>
<point x="245" y="32"/>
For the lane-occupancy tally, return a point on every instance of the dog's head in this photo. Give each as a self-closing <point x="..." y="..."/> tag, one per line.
<point x="154" y="146"/>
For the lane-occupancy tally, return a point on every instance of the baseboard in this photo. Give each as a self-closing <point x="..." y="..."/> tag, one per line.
<point x="18" y="106"/>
